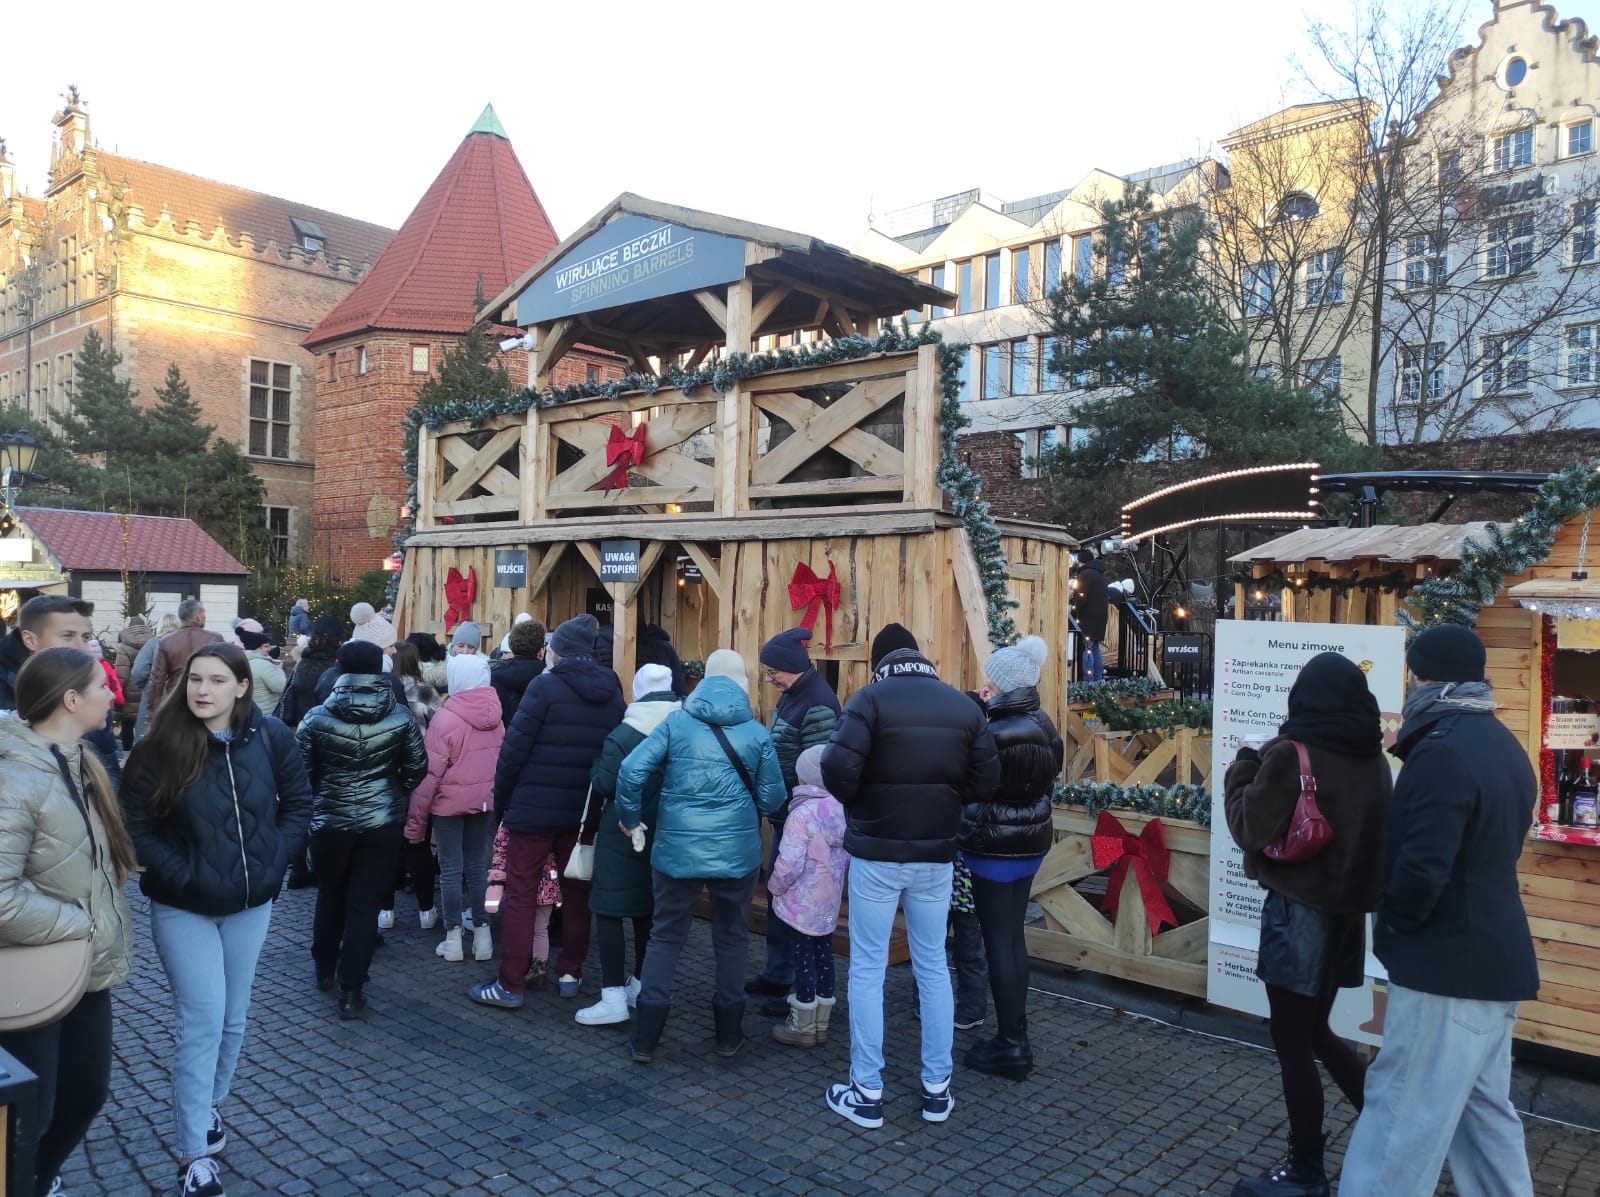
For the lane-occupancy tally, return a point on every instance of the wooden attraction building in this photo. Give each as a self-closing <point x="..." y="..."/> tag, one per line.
<point x="1359" y="575"/>
<point x="724" y="511"/>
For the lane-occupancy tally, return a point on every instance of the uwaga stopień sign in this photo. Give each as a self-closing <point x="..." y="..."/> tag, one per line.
<point x="630" y="259"/>
<point x="619" y="560"/>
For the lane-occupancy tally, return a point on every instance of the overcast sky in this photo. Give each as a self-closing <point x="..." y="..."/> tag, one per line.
<point x="803" y="116"/>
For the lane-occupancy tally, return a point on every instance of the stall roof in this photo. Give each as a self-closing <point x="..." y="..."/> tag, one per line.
<point x="1385" y="542"/>
<point x="93" y="541"/>
<point x="658" y="308"/>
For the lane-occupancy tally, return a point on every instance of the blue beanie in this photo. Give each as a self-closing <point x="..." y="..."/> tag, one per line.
<point x="786" y="652"/>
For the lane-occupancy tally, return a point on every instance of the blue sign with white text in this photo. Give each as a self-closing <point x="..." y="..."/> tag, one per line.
<point x="630" y="259"/>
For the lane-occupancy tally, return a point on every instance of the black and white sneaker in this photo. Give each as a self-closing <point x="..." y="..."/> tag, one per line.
<point x="861" y="1106"/>
<point x="202" y="1178"/>
<point x="937" y="1102"/>
<point x="55" y="1189"/>
<point x="216" y="1134"/>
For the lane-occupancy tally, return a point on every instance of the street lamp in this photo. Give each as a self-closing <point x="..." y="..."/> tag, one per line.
<point x="17" y="451"/>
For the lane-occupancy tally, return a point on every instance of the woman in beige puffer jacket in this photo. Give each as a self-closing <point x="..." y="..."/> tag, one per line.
<point x="63" y="858"/>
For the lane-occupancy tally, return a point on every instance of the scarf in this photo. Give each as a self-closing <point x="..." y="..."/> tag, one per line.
<point x="1331" y="707"/>
<point x="1449" y="698"/>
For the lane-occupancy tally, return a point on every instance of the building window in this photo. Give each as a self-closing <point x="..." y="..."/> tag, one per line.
<point x="1020" y="263"/>
<point x="1426" y="260"/>
<point x="69" y="272"/>
<point x="1049" y="380"/>
<point x="39" y="404"/>
<point x="1510" y="246"/>
<point x="1505" y="364"/>
<point x="1449" y="169"/>
<point x="996" y="371"/>
<point x="309" y="234"/>
<point x="1512" y="151"/>
<point x="1260" y="287"/>
<point x="1579" y="138"/>
<point x="361" y="359"/>
<point x="591" y="373"/>
<point x="965" y="297"/>
<point x="936" y="278"/>
<point x="1325" y="278"/>
<point x="1323" y="375"/>
<point x="61" y="383"/>
<point x="1297" y="205"/>
<point x="419" y="359"/>
<point x="1582" y="244"/>
<point x="1582" y="365"/>
<point x="278" y="532"/>
<point x="1052" y="265"/>
<point x="269" y="408"/>
<point x="1421" y="374"/>
<point x="991" y="281"/>
<point x="1083" y="257"/>
<point x="964" y="379"/>
<point x="333" y="367"/>
<point x="1021" y="360"/>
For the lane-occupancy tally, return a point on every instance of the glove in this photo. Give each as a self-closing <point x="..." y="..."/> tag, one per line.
<point x="638" y="838"/>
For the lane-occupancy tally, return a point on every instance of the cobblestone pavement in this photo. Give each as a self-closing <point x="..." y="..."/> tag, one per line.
<point x="433" y="1095"/>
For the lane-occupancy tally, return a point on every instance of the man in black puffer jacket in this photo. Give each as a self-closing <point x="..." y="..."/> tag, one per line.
<point x="364" y="756"/>
<point x="541" y="784"/>
<point x="909" y="753"/>
<point x="1091" y="607"/>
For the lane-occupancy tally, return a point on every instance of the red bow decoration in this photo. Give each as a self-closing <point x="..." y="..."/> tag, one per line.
<point x="811" y="592"/>
<point x="625" y="450"/>
<point x="460" y="591"/>
<point x="1146" y="854"/>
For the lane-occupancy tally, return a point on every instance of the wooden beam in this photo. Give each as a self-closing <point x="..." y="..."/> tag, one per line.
<point x="737" y="325"/>
<point x="475" y="468"/>
<point x="633" y="496"/>
<point x="483" y="505"/>
<point x="715" y="308"/>
<point x="766" y="305"/>
<point x="875" y="484"/>
<point x="550" y="343"/>
<point x="707" y="566"/>
<point x="729" y="463"/>
<point x="427" y="473"/>
<point x="530" y="509"/>
<point x="969" y="586"/>
<point x="837" y="427"/>
<point x="547" y="565"/>
<point x="922" y="437"/>
<point x="819" y="523"/>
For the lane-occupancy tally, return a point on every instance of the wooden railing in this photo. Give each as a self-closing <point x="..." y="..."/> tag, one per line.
<point x="858" y="434"/>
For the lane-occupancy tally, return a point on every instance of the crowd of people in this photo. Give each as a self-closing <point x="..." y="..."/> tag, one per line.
<point x="503" y="785"/>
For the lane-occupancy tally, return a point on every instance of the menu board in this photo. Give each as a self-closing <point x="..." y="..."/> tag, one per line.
<point x="1256" y="663"/>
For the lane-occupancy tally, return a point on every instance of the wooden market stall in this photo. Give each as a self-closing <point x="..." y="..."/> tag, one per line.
<point x="722" y="511"/>
<point x="1359" y="575"/>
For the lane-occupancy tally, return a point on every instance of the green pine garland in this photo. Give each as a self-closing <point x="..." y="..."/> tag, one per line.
<point x="1505" y="553"/>
<point x="1137" y="688"/>
<point x="1158" y="716"/>
<point x="1168" y="802"/>
<point x="958" y="479"/>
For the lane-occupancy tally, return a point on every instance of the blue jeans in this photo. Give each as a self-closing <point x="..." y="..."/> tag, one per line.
<point x="1094" y="662"/>
<point x="877" y="888"/>
<point x="1440" y="1089"/>
<point x="780" y="936"/>
<point x="210" y="965"/>
<point x="464" y="842"/>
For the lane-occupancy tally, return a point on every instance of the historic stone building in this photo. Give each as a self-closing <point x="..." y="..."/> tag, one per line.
<point x="477" y="227"/>
<point x="169" y="267"/>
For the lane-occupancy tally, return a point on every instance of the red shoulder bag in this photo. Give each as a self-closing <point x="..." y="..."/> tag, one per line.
<point x="1308" y="832"/>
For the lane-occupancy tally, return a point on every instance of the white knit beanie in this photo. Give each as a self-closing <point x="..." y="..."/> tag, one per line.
<point x="727" y="663"/>
<point x="1017" y="665"/>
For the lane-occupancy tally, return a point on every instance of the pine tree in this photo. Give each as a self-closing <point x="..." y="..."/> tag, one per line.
<point x="470" y="370"/>
<point x="1165" y="372"/>
<point x="103" y="416"/>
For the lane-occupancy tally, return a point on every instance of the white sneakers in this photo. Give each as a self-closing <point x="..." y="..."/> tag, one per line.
<point x="631" y="987"/>
<point x="429" y="919"/>
<point x="385" y="920"/>
<point x="611" y="1008"/>
<point x="482" y="944"/>
<point x="450" y="948"/>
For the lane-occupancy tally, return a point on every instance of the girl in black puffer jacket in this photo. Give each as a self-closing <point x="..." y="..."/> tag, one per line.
<point x="364" y="756"/>
<point x="1004" y="839"/>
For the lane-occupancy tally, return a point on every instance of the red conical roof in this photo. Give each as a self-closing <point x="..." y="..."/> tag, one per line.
<point x="479" y="218"/>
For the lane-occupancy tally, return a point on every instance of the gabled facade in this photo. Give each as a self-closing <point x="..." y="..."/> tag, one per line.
<point x="169" y="267"/>
<point x="478" y="226"/>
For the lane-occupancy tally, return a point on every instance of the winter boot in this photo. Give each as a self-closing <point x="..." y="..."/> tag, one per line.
<point x="729" y="1021"/>
<point x="648" y="1021"/>
<point x="801" y="1028"/>
<point x="824" y="1012"/>
<point x="482" y="943"/>
<point x="1301" y="1175"/>
<point x="352" y="1004"/>
<point x="1001" y="1056"/>
<point x="611" y="1008"/>
<point x="450" y="947"/>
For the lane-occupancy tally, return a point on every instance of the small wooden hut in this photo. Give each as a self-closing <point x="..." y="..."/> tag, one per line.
<point x="1359" y="575"/>
<point x="723" y="512"/>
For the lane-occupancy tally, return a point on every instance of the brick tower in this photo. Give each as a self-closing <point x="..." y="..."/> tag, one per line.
<point x="479" y="220"/>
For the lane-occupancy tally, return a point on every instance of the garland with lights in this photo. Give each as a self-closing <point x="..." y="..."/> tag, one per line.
<point x="958" y="479"/>
<point x="1157" y="717"/>
<point x="1504" y="553"/>
<point x="1168" y="802"/>
<point x="1136" y="688"/>
<point x="1393" y="582"/>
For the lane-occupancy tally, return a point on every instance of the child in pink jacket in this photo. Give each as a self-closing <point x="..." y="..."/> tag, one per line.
<point x="807" y="883"/>
<point x="463" y="743"/>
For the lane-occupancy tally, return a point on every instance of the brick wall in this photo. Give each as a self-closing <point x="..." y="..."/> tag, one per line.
<point x="360" y="483"/>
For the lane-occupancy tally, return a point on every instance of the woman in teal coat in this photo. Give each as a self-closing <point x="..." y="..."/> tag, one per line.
<point x="718" y="774"/>
<point x="622" y="888"/>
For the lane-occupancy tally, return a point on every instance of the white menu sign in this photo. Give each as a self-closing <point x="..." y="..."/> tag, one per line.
<point x="1256" y="663"/>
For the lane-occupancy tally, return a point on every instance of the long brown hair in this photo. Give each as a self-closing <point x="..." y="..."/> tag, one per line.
<point x="175" y="750"/>
<point x="408" y="661"/>
<point x="42" y="683"/>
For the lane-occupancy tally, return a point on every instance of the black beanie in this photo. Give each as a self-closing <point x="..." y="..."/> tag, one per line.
<point x="1447" y="652"/>
<point x="359" y="656"/>
<point x="786" y="651"/>
<point x="329" y="626"/>
<point x="890" y="638"/>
